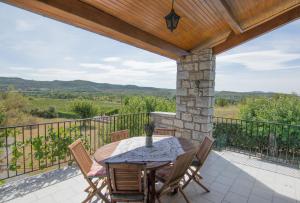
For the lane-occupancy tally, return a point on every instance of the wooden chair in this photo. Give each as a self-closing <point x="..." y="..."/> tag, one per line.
<point x="164" y="131"/>
<point x="93" y="172"/>
<point x="201" y="155"/>
<point x="119" y="135"/>
<point x="127" y="182"/>
<point x="172" y="175"/>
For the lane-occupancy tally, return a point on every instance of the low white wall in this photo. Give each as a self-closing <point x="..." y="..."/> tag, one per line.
<point x="163" y="119"/>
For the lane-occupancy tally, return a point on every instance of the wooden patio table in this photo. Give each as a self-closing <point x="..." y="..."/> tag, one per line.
<point x="105" y="152"/>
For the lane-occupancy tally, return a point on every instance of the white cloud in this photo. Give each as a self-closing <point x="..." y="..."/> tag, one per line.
<point x="280" y="81"/>
<point x="150" y="66"/>
<point x="112" y="59"/>
<point x="20" y="68"/>
<point x="98" y="66"/>
<point x="22" y="25"/>
<point x="68" y="58"/>
<point x="261" y="60"/>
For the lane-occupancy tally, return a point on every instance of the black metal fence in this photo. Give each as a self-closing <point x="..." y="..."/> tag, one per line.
<point x="30" y="148"/>
<point x="273" y="141"/>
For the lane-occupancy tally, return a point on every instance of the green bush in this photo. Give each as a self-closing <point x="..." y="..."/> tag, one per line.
<point x="84" y="109"/>
<point x="280" y="108"/>
<point x="138" y="104"/>
<point x="49" y="113"/>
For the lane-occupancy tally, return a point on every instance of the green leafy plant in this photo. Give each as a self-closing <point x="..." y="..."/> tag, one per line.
<point x="84" y="109"/>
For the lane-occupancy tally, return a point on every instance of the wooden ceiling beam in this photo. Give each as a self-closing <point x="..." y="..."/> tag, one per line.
<point x="85" y="16"/>
<point x="224" y="9"/>
<point x="234" y="40"/>
<point x="211" y="42"/>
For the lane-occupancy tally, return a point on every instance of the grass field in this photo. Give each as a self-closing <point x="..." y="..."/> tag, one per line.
<point x="231" y="111"/>
<point x="64" y="105"/>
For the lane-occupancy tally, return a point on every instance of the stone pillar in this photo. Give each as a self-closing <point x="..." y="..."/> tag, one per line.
<point x="195" y="95"/>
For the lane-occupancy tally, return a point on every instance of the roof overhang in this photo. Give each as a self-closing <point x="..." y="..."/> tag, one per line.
<point x="216" y="24"/>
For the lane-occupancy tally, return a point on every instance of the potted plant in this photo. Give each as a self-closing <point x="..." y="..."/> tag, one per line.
<point x="149" y="129"/>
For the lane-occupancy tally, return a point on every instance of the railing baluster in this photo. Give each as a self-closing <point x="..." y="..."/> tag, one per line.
<point x="15" y="136"/>
<point x="58" y="134"/>
<point x="95" y="141"/>
<point x="90" y="134"/>
<point x="24" y="158"/>
<point x="45" y="129"/>
<point x="7" y="154"/>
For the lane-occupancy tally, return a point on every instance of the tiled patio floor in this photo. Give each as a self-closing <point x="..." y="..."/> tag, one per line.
<point x="231" y="177"/>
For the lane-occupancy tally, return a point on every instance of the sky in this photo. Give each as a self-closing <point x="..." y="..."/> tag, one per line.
<point x="39" y="48"/>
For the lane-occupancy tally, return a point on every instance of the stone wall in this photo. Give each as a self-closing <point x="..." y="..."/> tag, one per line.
<point x="195" y="90"/>
<point x="163" y="119"/>
<point x="195" y="95"/>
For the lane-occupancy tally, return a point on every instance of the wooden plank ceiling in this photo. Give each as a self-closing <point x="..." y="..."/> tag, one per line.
<point x="216" y="24"/>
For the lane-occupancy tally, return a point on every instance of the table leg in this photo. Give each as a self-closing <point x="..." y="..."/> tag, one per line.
<point x="152" y="186"/>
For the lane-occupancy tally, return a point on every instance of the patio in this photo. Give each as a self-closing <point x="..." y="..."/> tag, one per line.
<point x="207" y="28"/>
<point x="231" y="177"/>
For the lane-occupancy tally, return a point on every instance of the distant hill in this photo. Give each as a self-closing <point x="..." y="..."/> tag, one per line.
<point x="105" y="88"/>
<point x="79" y="86"/>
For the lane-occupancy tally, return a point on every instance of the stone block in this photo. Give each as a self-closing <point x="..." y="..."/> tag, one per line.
<point x="189" y="125"/>
<point x="205" y="65"/>
<point x="186" y="133"/>
<point x="183" y="75"/>
<point x="203" y="102"/>
<point x="204" y="83"/>
<point x="189" y="67"/>
<point x="178" y="123"/>
<point x="193" y="110"/>
<point x="207" y="111"/>
<point x="181" y="92"/>
<point x="178" y="114"/>
<point x="196" y="75"/>
<point x="185" y="84"/>
<point x="208" y="92"/>
<point x="201" y="119"/>
<point x="193" y="92"/>
<point x="197" y="127"/>
<point x="195" y="135"/>
<point x="181" y="107"/>
<point x="206" y="127"/>
<point x="191" y="103"/>
<point x="167" y="122"/>
<point x="186" y="116"/>
<point x="209" y="75"/>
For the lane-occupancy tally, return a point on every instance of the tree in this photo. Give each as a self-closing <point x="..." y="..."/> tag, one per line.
<point x="16" y="108"/>
<point x="137" y="104"/>
<point x="84" y="109"/>
<point x="2" y="113"/>
<point x="279" y="108"/>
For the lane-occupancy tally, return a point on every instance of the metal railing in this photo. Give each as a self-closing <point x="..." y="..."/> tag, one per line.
<point x="37" y="147"/>
<point x="276" y="142"/>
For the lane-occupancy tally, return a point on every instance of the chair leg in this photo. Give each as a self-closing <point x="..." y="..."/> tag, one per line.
<point x="89" y="197"/>
<point x="201" y="185"/>
<point x="183" y="194"/>
<point x="190" y="177"/>
<point x="188" y="181"/>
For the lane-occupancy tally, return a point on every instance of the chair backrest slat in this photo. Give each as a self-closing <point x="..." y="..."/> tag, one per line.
<point x="119" y="135"/>
<point x="81" y="156"/>
<point x="164" y="131"/>
<point x="181" y="165"/>
<point x="126" y="177"/>
<point x="204" y="149"/>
